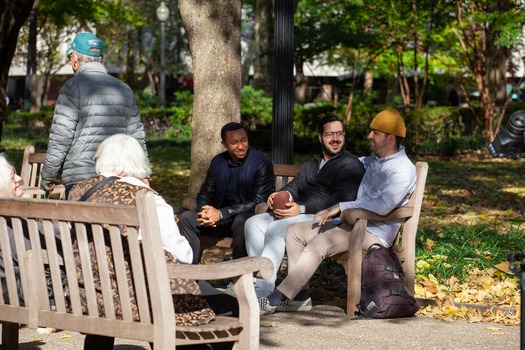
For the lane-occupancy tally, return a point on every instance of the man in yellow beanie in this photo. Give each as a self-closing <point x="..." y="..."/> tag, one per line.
<point x="388" y="184"/>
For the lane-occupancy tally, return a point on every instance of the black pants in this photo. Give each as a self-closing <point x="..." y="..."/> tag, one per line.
<point x="190" y="229"/>
<point x="220" y="303"/>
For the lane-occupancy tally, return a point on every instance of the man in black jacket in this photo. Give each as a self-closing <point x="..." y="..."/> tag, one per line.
<point x="237" y="180"/>
<point x="333" y="175"/>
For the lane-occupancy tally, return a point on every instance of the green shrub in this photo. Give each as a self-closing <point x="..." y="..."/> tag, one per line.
<point x="148" y="98"/>
<point x="256" y="108"/>
<point x="28" y="124"/>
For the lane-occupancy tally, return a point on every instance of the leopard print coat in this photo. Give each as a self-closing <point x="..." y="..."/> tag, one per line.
<point x="190" y="307"/>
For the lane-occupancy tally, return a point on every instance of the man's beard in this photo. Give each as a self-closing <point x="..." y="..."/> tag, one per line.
<point x="329" y="152"/>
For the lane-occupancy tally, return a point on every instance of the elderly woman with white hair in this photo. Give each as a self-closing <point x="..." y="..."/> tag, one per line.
<point x="9" y="180"/>
<point x="10" y="187"/>
<point x="121" y="165"/>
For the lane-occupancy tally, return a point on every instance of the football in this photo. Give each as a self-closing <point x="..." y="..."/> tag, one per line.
<point x="280" y="199"/>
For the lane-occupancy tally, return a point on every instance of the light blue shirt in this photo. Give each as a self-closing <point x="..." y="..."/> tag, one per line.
<point x="388" y="184"/>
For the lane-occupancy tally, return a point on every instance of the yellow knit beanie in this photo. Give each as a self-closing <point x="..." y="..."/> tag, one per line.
<point x="389" y="121"/>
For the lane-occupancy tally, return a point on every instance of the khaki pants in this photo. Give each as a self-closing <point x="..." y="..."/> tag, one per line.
<point x="307" y="246"/>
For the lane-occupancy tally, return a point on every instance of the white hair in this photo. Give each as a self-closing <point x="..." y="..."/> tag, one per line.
<point x="86" y="58"/>
<point x="121" y="155"/>
<point x="6" y="174"/>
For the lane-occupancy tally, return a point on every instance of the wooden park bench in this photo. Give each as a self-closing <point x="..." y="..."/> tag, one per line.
<point x="150" y="274"/>
<point x="404" y="245"/>
<point x="30" y="173"/>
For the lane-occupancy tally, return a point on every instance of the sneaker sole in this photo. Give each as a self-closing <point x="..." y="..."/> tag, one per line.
<point x="292" y="306"/>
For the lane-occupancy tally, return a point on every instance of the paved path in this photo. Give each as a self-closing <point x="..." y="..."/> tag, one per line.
<point x="327" y="327"/>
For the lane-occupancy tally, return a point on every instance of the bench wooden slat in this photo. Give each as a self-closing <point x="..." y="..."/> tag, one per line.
<point x="104" y="271"/>
<point x="141" y="293"/>
<point x="54" y="265"/>
<point x="69" y="265"/>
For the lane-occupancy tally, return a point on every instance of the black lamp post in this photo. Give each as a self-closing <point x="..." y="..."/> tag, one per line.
<point x="162" y="14"/>
<point x="282" y="119"/>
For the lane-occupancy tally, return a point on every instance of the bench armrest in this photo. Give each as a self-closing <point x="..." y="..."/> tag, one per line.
<point x="350" y="216"/>
<point x="259" y="266"/>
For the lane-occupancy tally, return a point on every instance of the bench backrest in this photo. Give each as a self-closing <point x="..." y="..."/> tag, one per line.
<point x="284" y="173"/>
<point x="32" y="164"/>
<point x="104" y="225"/>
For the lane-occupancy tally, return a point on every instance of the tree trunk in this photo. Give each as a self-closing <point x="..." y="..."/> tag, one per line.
<point x="404" y="87"/>
<point x="12" y="17"/>
<point x="263" y="55"/>
<point x="369" y="82"/>
<point x="348" y="109"/>
<point x="213" y="28"/>
<point x="301" y="82"/>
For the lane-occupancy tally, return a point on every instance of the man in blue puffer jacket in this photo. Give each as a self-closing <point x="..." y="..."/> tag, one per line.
<point x="91" y="106"/>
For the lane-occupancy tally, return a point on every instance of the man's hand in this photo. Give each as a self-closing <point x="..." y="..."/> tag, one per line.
<point x="270" y="200"/>
<point x="47" y="186"/>
<point x="209" y="216"/>
<point x="292" y="209"/>
<point x="326" y="214"/>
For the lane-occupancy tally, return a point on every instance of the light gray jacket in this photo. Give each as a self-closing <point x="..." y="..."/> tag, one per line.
<point x="91" y="106"/>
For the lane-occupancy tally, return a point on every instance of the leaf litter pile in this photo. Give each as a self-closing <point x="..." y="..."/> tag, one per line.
<point x="472" y="218"/>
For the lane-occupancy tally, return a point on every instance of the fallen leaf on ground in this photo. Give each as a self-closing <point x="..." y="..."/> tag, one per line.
<point x="268" y="324"/>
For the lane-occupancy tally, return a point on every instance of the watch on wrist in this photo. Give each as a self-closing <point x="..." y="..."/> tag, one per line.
<point x="333" y="208"/>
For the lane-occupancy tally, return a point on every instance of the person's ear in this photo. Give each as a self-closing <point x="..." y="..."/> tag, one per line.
<point x="320" y="138"/>
<point x="223" y="144"/>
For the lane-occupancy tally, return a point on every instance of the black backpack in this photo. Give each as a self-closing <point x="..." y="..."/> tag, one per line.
<point x="383" y="290"/>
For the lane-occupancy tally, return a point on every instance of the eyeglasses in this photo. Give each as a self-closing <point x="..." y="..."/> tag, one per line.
<point x="331" y="134"/>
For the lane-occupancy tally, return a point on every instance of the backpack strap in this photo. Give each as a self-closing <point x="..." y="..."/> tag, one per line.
<point x="96" y="186"/>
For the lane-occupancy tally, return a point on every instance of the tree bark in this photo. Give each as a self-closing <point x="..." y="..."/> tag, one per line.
<point x="369" y="82"/>
<point x="263" y="55"/>
<point x="12" y="16"/>
<point x="214" y="33"/>
<point x="301" y="82"/>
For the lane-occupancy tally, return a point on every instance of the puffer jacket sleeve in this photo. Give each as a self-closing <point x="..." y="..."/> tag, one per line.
<point x="135" y="129"/>
<point x="62" y="133"/>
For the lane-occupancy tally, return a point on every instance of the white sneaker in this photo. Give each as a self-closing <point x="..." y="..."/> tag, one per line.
<point x="288" y="305"/>
<point x="264" y="307"/>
